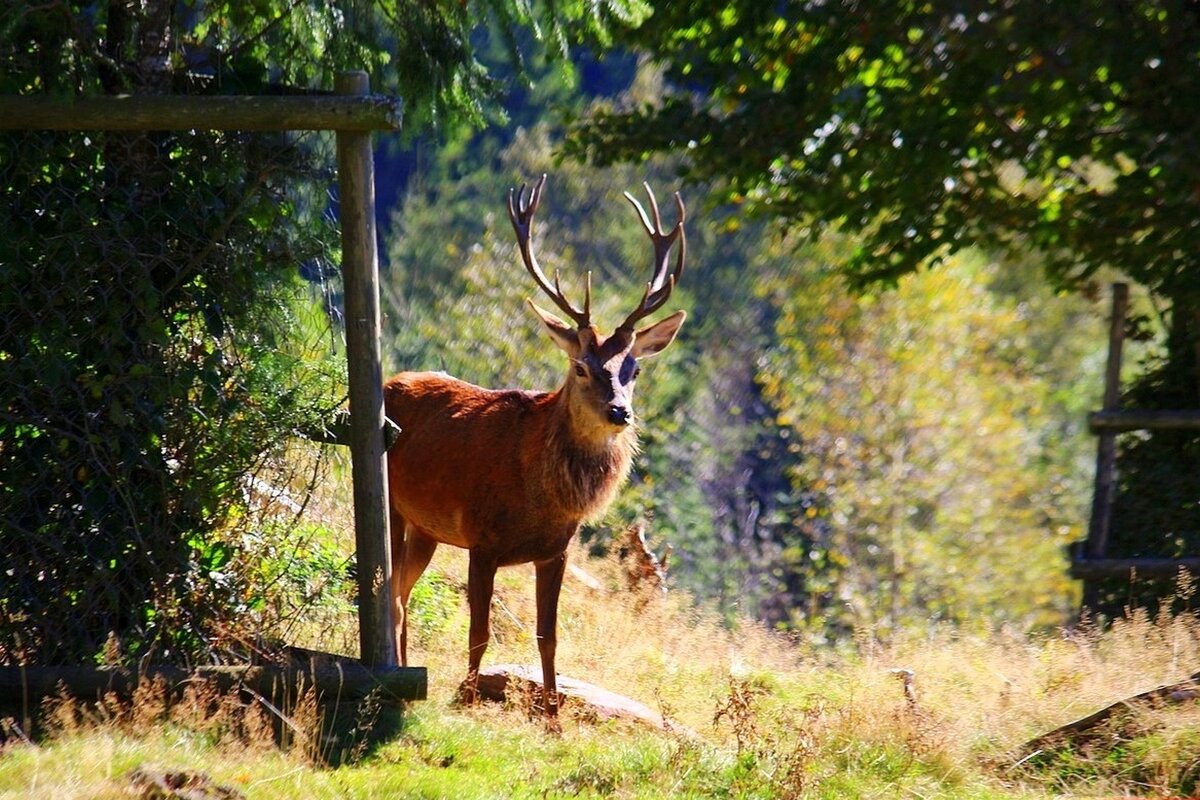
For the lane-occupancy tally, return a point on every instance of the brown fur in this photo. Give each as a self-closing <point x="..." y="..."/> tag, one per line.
<point x="501" y="469"/>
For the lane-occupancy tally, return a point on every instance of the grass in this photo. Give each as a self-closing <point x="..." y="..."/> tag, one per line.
<point x="757" y="715"/>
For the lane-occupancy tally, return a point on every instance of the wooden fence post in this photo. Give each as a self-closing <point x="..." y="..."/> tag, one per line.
<point x="1106" y="449"/>
<point x="360" y="274"/>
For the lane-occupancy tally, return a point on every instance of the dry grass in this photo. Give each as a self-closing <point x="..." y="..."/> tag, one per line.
<point x="648" y="647"/>
<point x="774" y="718"/>
<point x="978" y="698"/>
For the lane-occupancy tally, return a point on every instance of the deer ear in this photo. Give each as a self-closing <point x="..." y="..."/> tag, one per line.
<point x="653" y="340"/>
<point x="563" y="334"/>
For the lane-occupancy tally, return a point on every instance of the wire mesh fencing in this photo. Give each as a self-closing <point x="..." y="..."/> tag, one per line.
<point x="165" y="330"/>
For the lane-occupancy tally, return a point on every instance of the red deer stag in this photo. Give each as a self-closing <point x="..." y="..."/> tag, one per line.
<point x="511" y="475"/>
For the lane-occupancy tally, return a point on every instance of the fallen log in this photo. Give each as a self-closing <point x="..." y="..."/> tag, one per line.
<point x="1180" y="692"/>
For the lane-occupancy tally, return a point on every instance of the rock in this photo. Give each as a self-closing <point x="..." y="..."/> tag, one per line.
<point x="585" y="700"/>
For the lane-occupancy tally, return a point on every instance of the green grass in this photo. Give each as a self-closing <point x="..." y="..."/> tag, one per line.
<point x="480" y="753"/>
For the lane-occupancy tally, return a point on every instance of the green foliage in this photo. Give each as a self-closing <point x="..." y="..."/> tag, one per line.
<point x="927" y="127"/>
<point x="932" y="432"/>
<point x="431" y="606"/>
<point x="287" y="564"/>
<point x="145" y="373"/>
<point x="424" y="52"/>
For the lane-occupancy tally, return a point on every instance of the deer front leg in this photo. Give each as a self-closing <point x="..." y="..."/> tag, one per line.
<point x="481" y="577"/>
<point x="411" y="551"/>
<point x="549" y="583"/>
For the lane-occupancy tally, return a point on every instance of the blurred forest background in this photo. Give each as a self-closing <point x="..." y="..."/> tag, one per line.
<point x="819" y="456"/>
<point x="902" y="222"/>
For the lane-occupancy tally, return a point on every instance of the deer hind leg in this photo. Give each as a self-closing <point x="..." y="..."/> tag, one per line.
<point x="549" y="583"/>
<point x="481" y="578"/>
<point x="409" y="559"/>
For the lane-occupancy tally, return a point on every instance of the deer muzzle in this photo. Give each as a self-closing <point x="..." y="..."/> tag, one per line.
<point x="618" y="414"/>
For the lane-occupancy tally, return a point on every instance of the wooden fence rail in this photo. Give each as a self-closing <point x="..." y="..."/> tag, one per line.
<point x="355" y="111"/>
<point x="1123" y="420"/>
<point x="1090" y="559"/>
<point x="344" y="681"/>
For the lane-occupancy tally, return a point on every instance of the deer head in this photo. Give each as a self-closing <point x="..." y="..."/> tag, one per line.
<point x="603" y="369"/>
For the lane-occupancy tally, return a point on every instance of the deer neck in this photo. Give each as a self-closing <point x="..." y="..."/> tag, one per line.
<point x="586" y="462"/>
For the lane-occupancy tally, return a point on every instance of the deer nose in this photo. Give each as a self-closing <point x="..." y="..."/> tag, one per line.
<point x="618" y="415"/>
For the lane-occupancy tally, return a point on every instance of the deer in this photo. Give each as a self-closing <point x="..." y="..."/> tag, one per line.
<point x="511" y="475"/>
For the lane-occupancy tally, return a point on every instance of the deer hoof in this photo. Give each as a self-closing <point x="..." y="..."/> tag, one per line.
<point x="467" y="694"/>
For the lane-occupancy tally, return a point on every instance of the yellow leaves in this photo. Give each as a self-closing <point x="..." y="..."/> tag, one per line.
<point x="920" y="419"/>
<point x="1031" y="63"/>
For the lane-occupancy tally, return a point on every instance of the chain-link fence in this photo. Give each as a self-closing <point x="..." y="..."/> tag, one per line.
<point x="165" y="328"/>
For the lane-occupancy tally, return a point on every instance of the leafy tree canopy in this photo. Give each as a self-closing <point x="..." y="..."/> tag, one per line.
<point x="931" y="125"/>
<point x="426" y="52"/>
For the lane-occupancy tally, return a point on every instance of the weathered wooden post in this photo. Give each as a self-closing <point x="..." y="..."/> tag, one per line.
<point x="1106" y="449"/>
<point x="360" y="275"/>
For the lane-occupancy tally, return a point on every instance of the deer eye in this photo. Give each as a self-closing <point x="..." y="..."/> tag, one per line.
<point x="580" y="370"/>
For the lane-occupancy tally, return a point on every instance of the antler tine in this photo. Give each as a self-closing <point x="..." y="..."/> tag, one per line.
<point x="662" y="282"/>
<point x="520" y="212"/>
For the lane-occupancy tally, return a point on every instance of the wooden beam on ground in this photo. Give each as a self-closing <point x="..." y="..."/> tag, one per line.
<point x="199" y="112"/>
<point x="504" y="682"/>
<point x="1183" y="691"/>
<point x="342" y="681"/>
<point x="1128" y="419"/>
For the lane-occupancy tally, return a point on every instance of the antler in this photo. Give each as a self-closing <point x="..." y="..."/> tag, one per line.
<point x="661" y="284"/>
<point x="521" y="213"/>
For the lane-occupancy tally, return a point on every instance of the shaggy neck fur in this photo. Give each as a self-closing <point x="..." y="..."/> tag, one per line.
<point x="587" y="461"/>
